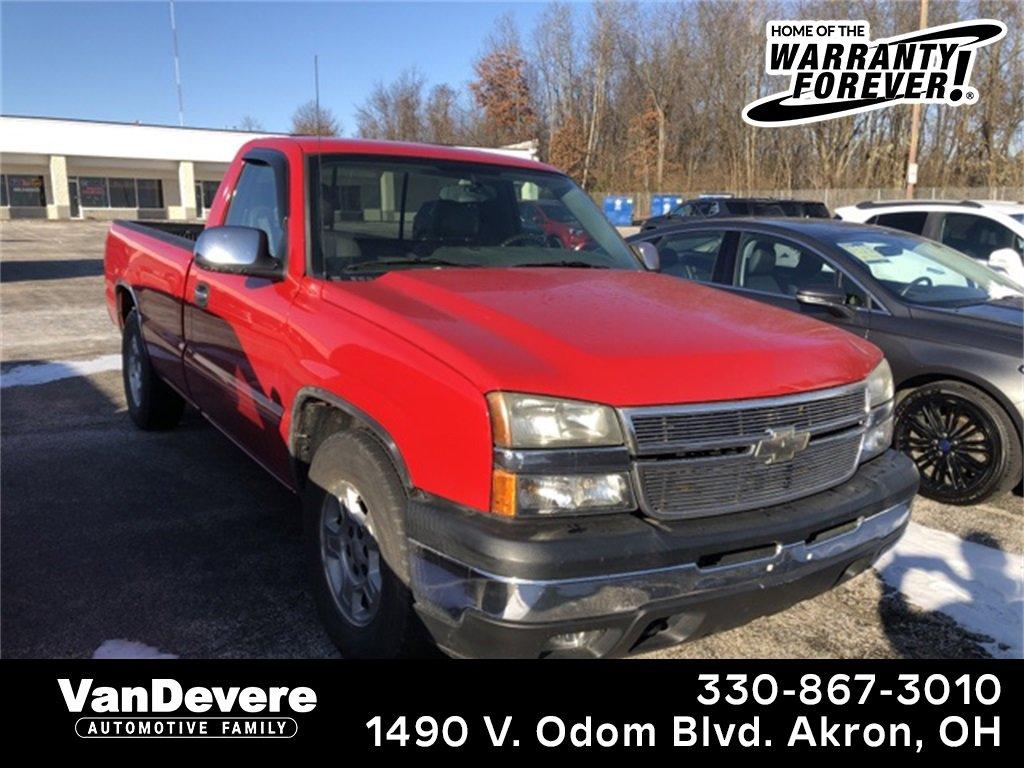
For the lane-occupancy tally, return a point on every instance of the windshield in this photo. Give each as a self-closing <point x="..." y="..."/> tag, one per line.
<point x="923" y="272"/>
<point x="374" y="215"/>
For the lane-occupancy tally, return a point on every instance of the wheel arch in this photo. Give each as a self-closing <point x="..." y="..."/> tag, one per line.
<point x="126" y="302"/>
<point x="316" y="415"/>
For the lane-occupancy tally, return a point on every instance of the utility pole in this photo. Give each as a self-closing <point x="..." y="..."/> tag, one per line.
<point x="177" y="67"/>
<point x="915" y="123"/>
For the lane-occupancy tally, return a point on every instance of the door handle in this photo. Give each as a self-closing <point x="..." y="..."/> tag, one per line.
<point x="201" y="295"/>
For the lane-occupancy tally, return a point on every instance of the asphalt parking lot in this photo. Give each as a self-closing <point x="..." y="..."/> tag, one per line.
<point x="178" y="542"/>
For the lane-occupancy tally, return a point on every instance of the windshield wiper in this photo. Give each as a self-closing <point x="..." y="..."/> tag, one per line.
<point x="404" y="261"/>
<point x="567" y="263"/>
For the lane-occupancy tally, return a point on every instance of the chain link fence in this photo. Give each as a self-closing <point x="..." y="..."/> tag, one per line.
<point x="833" y="198"/>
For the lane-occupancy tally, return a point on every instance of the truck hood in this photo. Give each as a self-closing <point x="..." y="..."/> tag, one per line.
<point x="612" y="336"/>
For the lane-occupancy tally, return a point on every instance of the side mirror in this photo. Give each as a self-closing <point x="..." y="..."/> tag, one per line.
<point x="236" y="250"/>
<point x="1005" y="260"/>
<point x="832" y="299"/>
<point x="648" y="256"/>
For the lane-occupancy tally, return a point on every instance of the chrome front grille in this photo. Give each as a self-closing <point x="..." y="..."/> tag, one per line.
<point x="699" y="427"/>
<point x="701" y="460"/>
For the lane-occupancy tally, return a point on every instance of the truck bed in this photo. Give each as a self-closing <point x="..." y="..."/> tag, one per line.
<point x="179" y="232"/>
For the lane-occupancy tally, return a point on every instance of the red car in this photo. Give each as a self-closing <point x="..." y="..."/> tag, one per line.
<point x="554" y="219"/>
<point x="504" y="447"/>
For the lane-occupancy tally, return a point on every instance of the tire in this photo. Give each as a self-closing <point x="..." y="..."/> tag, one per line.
<point x="152" y="404"/>
<point x="964" y="444"/>
<point x="357" y="551"/>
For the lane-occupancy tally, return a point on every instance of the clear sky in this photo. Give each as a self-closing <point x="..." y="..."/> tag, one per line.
<point x="112" y="61"/>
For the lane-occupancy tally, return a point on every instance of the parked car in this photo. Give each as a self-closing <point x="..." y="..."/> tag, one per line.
<point x="554" y="219"/>
<point x="504" y="447"/>
<point x="990" y="231"/>
<point x="708" y="207"/>
<point x="950" y="328"/>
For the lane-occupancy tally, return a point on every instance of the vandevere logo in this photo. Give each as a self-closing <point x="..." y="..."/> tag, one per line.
<point x="166" y="709"/>
<point x="836" y="69"/>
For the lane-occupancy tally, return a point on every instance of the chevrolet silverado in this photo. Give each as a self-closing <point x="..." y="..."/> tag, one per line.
<point x="504" y="446"/>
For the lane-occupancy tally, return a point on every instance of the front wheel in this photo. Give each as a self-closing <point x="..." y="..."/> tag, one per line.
<point x="963" y="442"/>
<point x="356" y="550"/>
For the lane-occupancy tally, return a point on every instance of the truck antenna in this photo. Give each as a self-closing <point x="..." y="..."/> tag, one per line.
<point x="319" y="141"/>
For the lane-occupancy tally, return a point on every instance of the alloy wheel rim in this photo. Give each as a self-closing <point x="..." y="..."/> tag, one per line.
<point x="350" y="555"/>
<point x="952" y="442"/>
<point x="135" y="369"/>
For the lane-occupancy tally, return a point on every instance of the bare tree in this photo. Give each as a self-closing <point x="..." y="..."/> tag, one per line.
<point x="250" y="123"/>
<point x="647" y="97"/>
<point x="394" y="111"/>
<point x="444" y="119"/>
<point x="309" y="120"/>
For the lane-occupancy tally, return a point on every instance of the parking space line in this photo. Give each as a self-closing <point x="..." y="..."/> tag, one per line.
<point x="979" y="587"/>
<point x="42" y="373"/>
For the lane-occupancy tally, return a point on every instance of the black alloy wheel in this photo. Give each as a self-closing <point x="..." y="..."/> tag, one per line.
<point x="961" y="441"/>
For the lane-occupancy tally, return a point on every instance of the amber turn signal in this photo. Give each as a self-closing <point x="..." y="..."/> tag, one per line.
<point x="503" y="493"/>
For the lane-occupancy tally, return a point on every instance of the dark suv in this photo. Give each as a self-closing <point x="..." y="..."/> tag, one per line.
<point x="708" y="207"/>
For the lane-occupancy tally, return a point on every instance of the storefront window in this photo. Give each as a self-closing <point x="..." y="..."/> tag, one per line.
<point x="93" y="192"/>
<point x="3" y="190"/>
<point x="151" y="193"/>
<point x="122" y="193"/>
<point x="209" y="190"/>
<point x="25" y="191"/>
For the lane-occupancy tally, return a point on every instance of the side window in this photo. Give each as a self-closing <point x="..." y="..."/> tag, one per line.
<point x="686" y="209"/>
<point x="691" y="255"/>
<point x="974" y="235"/>
<point x="254" y="204"/>
<point x="779" y="267"/>
<point x="908" y="221"/>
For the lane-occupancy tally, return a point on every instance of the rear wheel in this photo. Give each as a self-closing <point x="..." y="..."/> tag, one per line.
<point x="356" y="550"/>
<point x="964" y="444"/>
<point x="151" y="403"/>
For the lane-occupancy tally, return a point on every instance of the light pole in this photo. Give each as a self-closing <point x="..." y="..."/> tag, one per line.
<point x="915" y="123"/>
<point x="177" y="67"/>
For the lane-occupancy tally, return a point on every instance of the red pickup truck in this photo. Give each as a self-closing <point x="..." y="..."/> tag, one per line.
<point x="505" y="447"/>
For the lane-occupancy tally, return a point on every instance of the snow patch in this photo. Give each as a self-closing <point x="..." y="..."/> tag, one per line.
<point x="43" y="373"/>
<point x="979" y="587"/>
<point x="129" y="649"/>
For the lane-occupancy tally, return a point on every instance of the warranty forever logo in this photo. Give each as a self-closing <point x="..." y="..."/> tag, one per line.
<point x="836" y="69"/>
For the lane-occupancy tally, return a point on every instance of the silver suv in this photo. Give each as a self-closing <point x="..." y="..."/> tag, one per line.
<point x="987" y="230"/>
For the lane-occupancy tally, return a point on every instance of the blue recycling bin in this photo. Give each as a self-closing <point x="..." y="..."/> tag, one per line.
<point x="662" y="203"/>
<point x="618" y="209"/>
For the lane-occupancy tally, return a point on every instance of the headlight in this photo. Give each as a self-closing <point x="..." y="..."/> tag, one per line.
<point x="880" y="387"/>
<point x="532" y="495"/>
<point x="532" y="421"/>
<point x="878" y="435"/>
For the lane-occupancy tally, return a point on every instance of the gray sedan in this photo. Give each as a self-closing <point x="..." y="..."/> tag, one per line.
<point x="952" y="329"/>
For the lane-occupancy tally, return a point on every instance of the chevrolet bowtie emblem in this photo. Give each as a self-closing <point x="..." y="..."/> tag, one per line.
<point x="781" y="445"/>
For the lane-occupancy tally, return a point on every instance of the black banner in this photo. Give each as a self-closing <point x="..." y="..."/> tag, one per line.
<point x="449" y="708"/>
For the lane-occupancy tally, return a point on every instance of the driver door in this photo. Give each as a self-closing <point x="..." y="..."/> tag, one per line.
<point x="235" y="323"/>
<point x="774" y="269"/>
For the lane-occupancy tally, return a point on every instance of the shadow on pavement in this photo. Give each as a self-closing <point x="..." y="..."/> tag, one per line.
<point x="917" y="633"/>
<point x="24" y="271"/>
<point x="173" y="539"/>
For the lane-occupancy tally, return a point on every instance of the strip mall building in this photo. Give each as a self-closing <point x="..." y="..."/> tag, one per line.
<point x="53" y="168"/>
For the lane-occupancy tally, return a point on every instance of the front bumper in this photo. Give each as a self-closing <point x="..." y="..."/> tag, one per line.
<point x="625" y="584"/>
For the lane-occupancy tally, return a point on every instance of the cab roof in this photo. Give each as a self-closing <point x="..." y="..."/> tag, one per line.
<point x="312" y="145"/>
